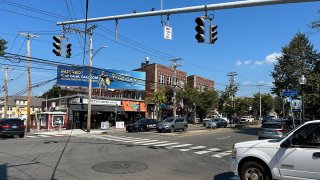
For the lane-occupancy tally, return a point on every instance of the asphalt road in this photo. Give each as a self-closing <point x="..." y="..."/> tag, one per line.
<point x="194" y="155"/>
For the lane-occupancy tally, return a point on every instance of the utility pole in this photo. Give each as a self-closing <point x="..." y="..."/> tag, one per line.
<point x="260" y="101"/>
<point x="90" y="83"/>
<point x="175" y="64"/>
<point x="90" y="31"/>
<point x="28" y="36"/>
<point x="6" y="94"/>
<point x="232" y="80"/>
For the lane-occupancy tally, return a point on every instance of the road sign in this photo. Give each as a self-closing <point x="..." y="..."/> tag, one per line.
<point x="289" y="93"/>
<point x="167" y="32"/>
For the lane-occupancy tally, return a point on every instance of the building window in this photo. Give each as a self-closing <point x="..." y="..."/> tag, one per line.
<point x="161" y="78"/>
<point x="57" y="120"/>
<point x="169" y="80"/>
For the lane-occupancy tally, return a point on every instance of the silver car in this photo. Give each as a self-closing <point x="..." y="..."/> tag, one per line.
<point x="216" y="123"/>
<point x="172" y="124"/>
<point x="271" y="130"/>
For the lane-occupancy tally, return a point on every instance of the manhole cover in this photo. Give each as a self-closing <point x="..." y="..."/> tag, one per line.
<point x="119" y="167"/>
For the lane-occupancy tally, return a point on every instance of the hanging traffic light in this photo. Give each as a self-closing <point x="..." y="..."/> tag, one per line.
<point x="3" y="47"/>
<point x="57" y="45"/>
<point x="200" y="29"/>
<point x="68" y="50"/>
<point x="213" y="34"/>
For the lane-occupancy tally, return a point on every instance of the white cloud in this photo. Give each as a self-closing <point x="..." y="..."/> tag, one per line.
<point x="261" y="82"/>
<point x="246" y="83"/>
<point x="272" y="58"/>
<point x="239" y="63"/>
<point x="259" y="62"/>
<point x="270" y="83"/>
<point x="247" y="62"/>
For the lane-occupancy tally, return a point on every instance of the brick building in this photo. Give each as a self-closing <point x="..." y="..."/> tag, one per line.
<point x="159" y="76"/>
<point x="199" y="83"/>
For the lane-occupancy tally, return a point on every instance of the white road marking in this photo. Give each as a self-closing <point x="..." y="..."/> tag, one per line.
<point x="219" y="155"/>
<point x="202" y="152"/>
<point x="193" y="148"/>
<point x="181" y="145"/>
<point x="155" y="143"/>
<point x="224" y="137"/>
<point x="214" y="149"/>
<point x="31" y="136"/>
<point x="43" y="135"/>
<point x="167" y="144"/>
<point x="145" y="141"/>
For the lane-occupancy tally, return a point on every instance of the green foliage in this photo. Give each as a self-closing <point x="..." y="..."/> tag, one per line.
<point x="299" y="58"/>
<point x="2" y="47"/>
<point x="267" y="103"/>
<point x="225" y="104"/>
<point x="157" y="98"/>
<point x="242" y="105"/>
<point x="56" y="91"/>
<point x="205" y="101"/>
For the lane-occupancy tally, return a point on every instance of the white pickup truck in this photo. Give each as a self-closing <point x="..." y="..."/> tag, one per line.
<point x="294" y="156"/>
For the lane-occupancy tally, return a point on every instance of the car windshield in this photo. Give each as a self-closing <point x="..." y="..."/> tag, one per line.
<point x="216" y="120"/>
<point x="171" y="119"/>
<point x="141" y="121"/>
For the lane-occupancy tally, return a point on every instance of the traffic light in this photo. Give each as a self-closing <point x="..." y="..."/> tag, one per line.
<point x="68" y="50"/>
<point x="200" y="29"/>
<point x="57" y="45"/>
<point x="2" y="47"/>
<point x="213" y="34"/>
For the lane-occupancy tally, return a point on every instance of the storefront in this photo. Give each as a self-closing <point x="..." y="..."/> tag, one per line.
<point x="134" y="109"/>
<point x="49" y="120"/>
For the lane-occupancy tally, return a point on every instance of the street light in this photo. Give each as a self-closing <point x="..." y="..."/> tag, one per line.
<point x="302" y="82"/>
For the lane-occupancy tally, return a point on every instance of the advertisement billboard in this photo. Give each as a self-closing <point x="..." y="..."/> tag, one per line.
<point x="78" y="76"/>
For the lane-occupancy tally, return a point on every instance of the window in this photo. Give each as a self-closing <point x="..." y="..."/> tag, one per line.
<point x="57" y="120"/>
<point x="169" y="80"/>
<point x="161" y="78"/>
<point x="308" y="136"/>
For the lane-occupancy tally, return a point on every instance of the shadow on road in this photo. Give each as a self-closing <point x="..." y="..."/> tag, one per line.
<point x="249" y="131"/>
<point x="3" y="171"/>
<point x="225" y="176"/>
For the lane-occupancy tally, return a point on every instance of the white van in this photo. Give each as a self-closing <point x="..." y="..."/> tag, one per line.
<point x="294" y="156"/>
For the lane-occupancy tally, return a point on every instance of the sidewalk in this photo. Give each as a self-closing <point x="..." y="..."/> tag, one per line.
<point x="73" y="131"/>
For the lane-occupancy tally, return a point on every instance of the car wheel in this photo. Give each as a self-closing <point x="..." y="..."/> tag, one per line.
<point x="184" y="128"/>
<point x="253" y="170"/>
<point x="141" y="129"/>
<point x="172" y="129"/>
<point x="21" y="135"/>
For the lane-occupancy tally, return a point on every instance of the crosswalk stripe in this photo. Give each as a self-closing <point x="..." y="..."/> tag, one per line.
<point x="144" y="141"/>
<point x="202" y="152"/>
<point x="31" y="136"/>
<point x="193" y="148"/>
<point x="214" y="149"/>
<point x="43" y="135"/>
<point x="155" y="143"/>
<point x="219" y="155"/>
<point x="181" y="145"/>
<point x="167" y="144"/>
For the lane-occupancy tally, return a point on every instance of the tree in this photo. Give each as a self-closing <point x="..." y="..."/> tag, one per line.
<point x="157" y="97"/>
<point x="299" y="58"/>
<point x="225" y="103"/>
<point x="57" y="91"/>
<point x="208" y="100"/>
<point x="267" y="103"/>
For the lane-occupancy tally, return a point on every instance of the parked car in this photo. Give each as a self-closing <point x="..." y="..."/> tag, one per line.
<point x="271" y="130"/>
<point x="11" y="127"/>
<point x="205" y="120"/>
<point x="217" y="123"/>
<point x="172" y="124"/>
<point x="246" y="119"/>
<point x="296" y="155"/>
<point x="142" y="125"/>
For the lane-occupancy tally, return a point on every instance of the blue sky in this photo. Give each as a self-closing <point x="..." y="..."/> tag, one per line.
<point x="249" y="39"/>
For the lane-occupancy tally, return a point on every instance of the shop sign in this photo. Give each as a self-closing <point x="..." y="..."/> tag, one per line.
<point x="102" y="102"/>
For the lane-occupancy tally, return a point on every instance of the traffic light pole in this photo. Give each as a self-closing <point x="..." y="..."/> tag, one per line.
<point x="209" y="7"/>
<point x="175" y="64"/>
<point x="28" y="36"/>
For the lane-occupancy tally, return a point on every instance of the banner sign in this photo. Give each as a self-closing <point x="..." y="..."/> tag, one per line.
<point x="78" y="76"/>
